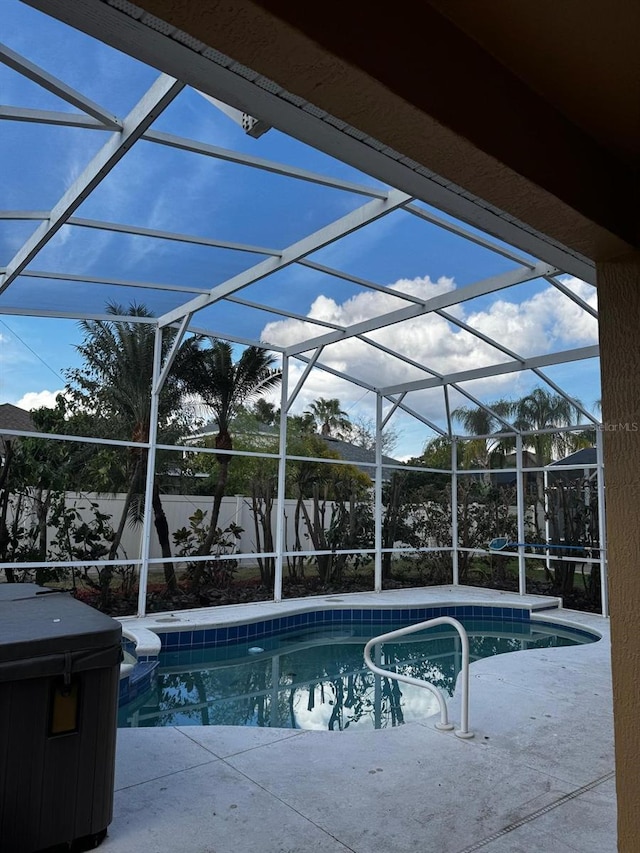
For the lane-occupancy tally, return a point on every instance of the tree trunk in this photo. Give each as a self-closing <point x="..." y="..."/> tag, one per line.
<point x="390" y="525"/>
<point x="203" y="699"/>
<point x="162" y="529"/>
<point x="4" y="507"/>
<point x="4" y="533"/>
<point x="325" y="561"/>
<point x="8" y="454"/>
<point x="221" y="485"/>
<point x="316" y="532"/>
<point x="117" y="538"/>
<point x="107" y="572"/>
<point x="296" y="564"/>
<point x="223" y="442"/>
<point x="42" y="510"/>
<point x="261" y="507"/>
<point x="205" y="548"/>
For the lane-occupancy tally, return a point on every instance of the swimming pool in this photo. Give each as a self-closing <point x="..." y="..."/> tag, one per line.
<point x="311" y="675"/>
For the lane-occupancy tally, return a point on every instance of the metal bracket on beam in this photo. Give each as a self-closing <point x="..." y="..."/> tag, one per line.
<point x="253" y="127"/>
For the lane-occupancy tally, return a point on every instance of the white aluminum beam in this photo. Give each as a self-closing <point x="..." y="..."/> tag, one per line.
<point x="139" y="231"/>
<point x="81" y="314"/>
<point x="174" y="288"/>
<point x="353" y="221"/>
<point x="562" y="287"/>
<point x="393" y="408"/>
<point x="369" y="285"/>
<point x="249" y="160"/>
<point x="459" y="231"/>
<point x="60" y="119"/>
<point x="484" y="406"/>
<point x="377" y="499"/>
<point x="52" y="84"/>
<point x="78" y="314"/>
<point x="455" y="539"/>
<point x="258" y="306"/>
<point x="115" y="282"/>
<point x="404" y="358"/>
<point x="145" y="538"/>
<point x="443" y="300"/>
<point x="547" y="430"/>
<point x="303" y="379"/>
<point x="171" y="355"/>
<point x="80" y="439"/>
<point x="226" y="336"/>
<point x="451" y="318"/>
<point x="447" y="409"/>
<point x="521" y="515"/>
<point x="562" y="357"/>
<point x="153" y="102"/>
<point x="24" y="214"/>
<point x="572" y="400"/>
<point x="281" y="312"/>
<point x="281" y="537"/>
<point x="405" y="408"/>
<point x="362" y="384"/>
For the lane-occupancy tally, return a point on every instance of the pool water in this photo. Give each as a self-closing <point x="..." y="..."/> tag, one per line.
<point x="315" y="678"/>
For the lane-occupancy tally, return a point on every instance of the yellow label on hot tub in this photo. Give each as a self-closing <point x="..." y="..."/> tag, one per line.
<point x="64" y="709"/>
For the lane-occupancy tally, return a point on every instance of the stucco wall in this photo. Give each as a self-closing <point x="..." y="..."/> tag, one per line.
<point x="619" y="306"/>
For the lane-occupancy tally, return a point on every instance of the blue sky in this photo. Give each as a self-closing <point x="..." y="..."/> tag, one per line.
<point x="159" y="187"/>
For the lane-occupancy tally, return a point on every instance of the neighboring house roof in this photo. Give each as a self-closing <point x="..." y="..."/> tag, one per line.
<point x="12" y="417"/>
<point x="509" y="478"/>
<point x="584" y="458"/>
<point x="356" y="454"/>
<point x="529" y="459"/>
<point x="211" y="428"/>
<point x="345" y="449"/>
<point x="581" y="458"/>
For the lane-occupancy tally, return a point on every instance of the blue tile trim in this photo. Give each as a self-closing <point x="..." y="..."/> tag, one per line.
<point x="253" y="631"/>
<point x="139" y="680"/>
<point x="129" y="645"/>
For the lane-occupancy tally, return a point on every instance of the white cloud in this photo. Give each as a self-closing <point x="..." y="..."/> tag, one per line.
<point x="546" y="321"/>
<point x="37" y="399"/>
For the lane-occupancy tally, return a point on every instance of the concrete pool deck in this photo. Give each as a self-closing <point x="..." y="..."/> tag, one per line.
<point x="537" y="775"/>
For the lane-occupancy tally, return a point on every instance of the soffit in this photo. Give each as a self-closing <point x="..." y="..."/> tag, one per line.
<point x="579" y="55"/>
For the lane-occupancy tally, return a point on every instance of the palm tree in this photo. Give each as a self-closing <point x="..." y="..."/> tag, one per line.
<point x="225" y="386"/>
<point x="482" y="452"/>
<point x="304" y="424"/>
<point x="265" y="412"/>
<point x="330" y="417"/>
<point x="543" y="410"/>
<point x="114" y="384"/>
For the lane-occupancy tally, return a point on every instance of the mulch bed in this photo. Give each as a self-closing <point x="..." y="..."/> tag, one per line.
<point x="248" y="591"/>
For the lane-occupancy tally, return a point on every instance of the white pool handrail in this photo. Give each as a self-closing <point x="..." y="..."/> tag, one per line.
<point x="444" y="724"/>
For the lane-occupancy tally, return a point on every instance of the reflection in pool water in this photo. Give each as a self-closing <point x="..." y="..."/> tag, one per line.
<point x="316" y="678"/>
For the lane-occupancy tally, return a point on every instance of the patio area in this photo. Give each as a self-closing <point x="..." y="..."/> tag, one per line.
<point x="184" y="187"/>
<point x="539" y="773"/>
